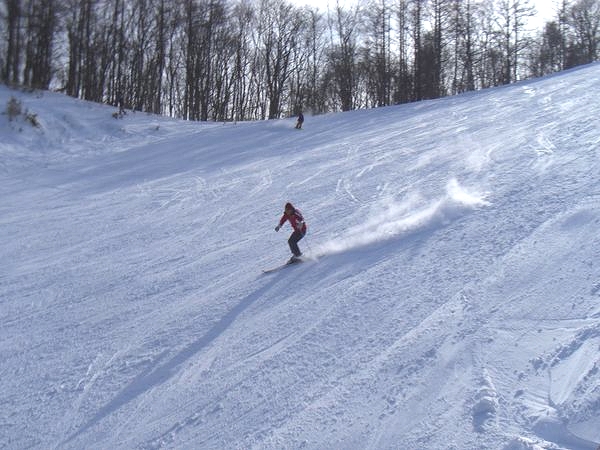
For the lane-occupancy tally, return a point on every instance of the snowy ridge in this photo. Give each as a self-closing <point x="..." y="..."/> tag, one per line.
<point x="451" y="299"/>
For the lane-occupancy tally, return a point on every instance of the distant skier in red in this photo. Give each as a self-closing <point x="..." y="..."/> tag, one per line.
<point x="299" y="226"/>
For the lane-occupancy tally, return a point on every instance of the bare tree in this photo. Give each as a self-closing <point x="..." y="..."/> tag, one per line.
<point x="317" y="60"/>
<point x="344" y="28"/>
<point x="512" y="20"/>
<point x="550" y="58"/>
<point x="279" y="27"/>
<point x="463" y="59"/>
<point x="377" y="52"/>
<point x="585" y="21"/>
<point x="403" y="91"/>
<point x="14" y="21"/>
<point x="242" y="21"/>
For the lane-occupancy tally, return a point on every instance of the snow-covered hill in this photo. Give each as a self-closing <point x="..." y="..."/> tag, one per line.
<point x="452" y="300"/>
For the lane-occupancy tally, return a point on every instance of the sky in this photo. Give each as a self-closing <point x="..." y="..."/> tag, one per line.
<point x="449" y="295"/>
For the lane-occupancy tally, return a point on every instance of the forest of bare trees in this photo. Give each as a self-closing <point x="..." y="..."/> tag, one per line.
<point x="229" y="60"/>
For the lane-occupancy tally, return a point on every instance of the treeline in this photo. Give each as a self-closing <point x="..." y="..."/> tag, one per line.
<point x="230" y="60"/>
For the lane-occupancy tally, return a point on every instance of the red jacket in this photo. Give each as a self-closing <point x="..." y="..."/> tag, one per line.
<point x="296" y="221"/>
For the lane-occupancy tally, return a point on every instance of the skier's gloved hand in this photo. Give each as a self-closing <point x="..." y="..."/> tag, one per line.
<point x="277" y="228"/>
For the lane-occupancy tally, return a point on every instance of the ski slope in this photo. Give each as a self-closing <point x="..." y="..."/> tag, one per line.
<point x="452" y="300"/>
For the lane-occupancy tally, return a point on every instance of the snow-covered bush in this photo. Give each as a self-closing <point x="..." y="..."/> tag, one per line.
<point x="13" y="108"/>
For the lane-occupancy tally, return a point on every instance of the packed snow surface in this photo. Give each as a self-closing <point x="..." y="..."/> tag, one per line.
<point x="450" y="298"/>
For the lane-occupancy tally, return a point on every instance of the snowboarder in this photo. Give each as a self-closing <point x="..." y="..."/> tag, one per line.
<point x="299" y="226"/>
<point x="300" y="121"/>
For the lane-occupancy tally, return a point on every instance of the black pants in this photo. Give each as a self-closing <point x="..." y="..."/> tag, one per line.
<point x="293" y="242"/>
